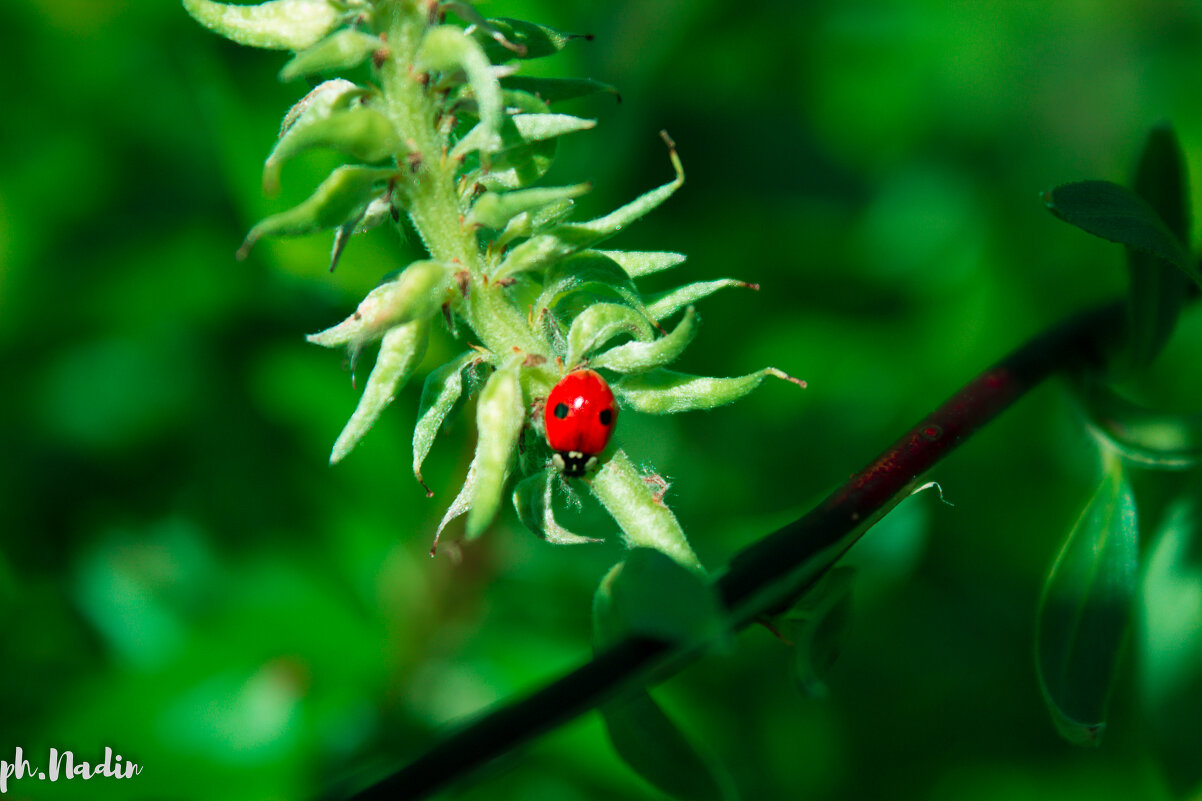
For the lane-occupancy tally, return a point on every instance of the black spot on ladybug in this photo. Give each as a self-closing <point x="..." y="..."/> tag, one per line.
<point x="561" y="410"/>
<point x="606" y="416"/>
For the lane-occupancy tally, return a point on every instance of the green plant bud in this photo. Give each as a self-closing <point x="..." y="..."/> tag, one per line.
<point x="637" y="263"/>
<point x="665" y="304"/>
<point x="275" y="25"/>
<point x="376" y="212"/>
<point x="339" y="199"/>
<point x="668" y="392"/>
<point x="586" y="273"/>
<point x="517" y="167"/>
<point x="400" y="352"/>
<point x="500" y="414"/>
<point x="414" y="295"/>
<point x="532" y="499"/>
<point x="326" y="97"/>
<point x="360" y="132"/>
<point x="1086" y="609"/>
<point x="553" y="90"/>
<point x="522" y="39"/>
<point x="448" y="48"/>
<point x="533" y="221"/>
<point x="519" y="129"/>
<point x="644" y="519"/>
<point x="344" y="49"/>
<point x="440" y="393"/>
<point x="494" y="210"/>
<point x="600" y="323"/>
<point x="638" y="357"/>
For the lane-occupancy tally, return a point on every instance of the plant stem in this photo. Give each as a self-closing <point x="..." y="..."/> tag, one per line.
<point x="768" y="574"/>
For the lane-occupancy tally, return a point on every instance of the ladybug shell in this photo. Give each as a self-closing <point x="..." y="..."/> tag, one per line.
<point x="580" y="416"/>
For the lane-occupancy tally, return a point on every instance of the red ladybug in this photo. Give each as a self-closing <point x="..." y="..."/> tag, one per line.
<point x="580" y="417"/>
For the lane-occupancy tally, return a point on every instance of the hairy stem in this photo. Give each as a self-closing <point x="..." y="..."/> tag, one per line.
<point x="767" y="575"/>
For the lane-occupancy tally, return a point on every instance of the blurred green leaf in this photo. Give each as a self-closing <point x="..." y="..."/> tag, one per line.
<point x="1118" y="214"/>
<point x="275" y="25"/>
<point x="525" y="39"/>
<point x="1158" y="290"/>
<point x="1154" y="439"/>
<point x="655" y="748"/>
<point x="817" y="626"/>
<point x="1086" y="609"/>
<point x="650" y="594"/>
<point x="1170" y="645"/>
<point x="553" y="90"/>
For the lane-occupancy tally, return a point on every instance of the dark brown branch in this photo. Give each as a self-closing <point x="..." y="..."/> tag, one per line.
<point x="1078" y="342"/>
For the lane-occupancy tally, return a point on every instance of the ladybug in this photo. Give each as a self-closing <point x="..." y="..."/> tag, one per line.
<point x="580" y="416"/>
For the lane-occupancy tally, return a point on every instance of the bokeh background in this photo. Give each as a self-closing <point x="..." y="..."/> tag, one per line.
<point x="185" y="580"/>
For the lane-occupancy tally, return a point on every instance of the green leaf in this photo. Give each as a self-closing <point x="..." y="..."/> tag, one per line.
<point x="500" y="414"/>
<point x="655" y="748"/>
<point x="440" y="393"/>
<point x="1157" y="289"/>
<point x="360" y="132"/>
<point x="637" y="263"/>
<point x="534" y="221"/>
<point x="553" y="90"/>
<point x="1086" y="608"/>
<point x="339" y="199"/>
<point x="668" y="392"/>
<point x="275" y="25"/>
<point x="446" y="47"/>
<point x="341" y="50"/>
<point x="1170" y="645"/>
<point x="494" y="210"/>
<point x="374" y="213"/>
<point x="525" y="39"/>
<point x="644" y="519"/>
<point x="1117" y="214"/>
<point x="639" y="357"/>
<point x="665" y="304"/>
<point x="598" y="324"/>
<point x="817" y="626"/>
<point x="415" y="294"/>
<point x="532" y="498"/>
<point x="400" y="352"/>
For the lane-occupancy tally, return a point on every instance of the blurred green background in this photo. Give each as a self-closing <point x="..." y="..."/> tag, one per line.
<point x="184" y="579"/>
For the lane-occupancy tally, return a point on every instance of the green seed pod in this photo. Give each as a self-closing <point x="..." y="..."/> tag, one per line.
<point x="600" y="323"/>
<point x="416" y="294"/>
<point x="668" y="392"/>
<point x="494" y="210"/>
<point x="638" y="357"/>
<point x="339" y="199"/>
<point x="275" y="25"/>
<point x="400" y="352"/>
<point x="342" y="50"/>
<point x="500" y="414"/>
